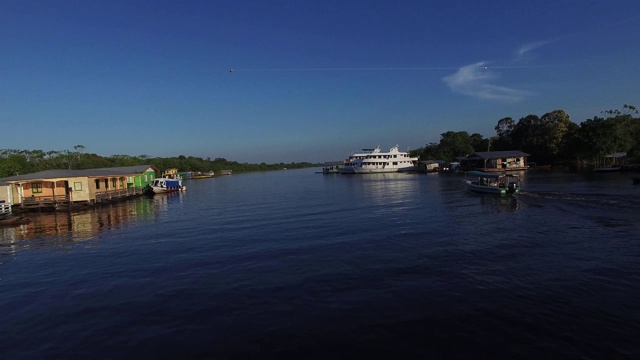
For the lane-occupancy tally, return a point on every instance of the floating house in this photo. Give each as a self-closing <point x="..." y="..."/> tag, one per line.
<point x="171" y="173"/>
<point x="198" y="175"/>
<point x="52" y="189"/>
<point x="495" y="161"/>
<point x="613" y="162"/>
<point x="430" y="165"/>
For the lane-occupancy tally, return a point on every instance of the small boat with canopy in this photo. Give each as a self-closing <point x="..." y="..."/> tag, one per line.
<point x="170" y="181"/>
<point x="492" y="183"/>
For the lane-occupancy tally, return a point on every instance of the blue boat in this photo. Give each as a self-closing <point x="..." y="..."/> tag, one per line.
<point x="170" y="181"/>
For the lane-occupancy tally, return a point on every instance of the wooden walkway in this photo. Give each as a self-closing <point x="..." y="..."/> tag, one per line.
<point x="118" y="194"/>
<point x="40" y="202"/>
<point x="58" y="201"/>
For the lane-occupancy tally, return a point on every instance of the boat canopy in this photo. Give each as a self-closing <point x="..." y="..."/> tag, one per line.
<point x="488" y="175"/>
<point x="484" y="174"/>
<point x="616" y="155"/>
<point x="173" y="183"/>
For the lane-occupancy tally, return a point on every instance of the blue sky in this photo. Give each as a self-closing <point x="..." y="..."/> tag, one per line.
<point x="312" y="80"/>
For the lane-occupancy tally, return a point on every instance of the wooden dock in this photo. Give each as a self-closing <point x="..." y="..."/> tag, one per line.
<point x="45" y="202"/>
<point x="118" y="194"/>
<point x="65" y="201"/>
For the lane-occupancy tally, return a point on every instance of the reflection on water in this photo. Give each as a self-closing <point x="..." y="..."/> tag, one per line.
<point x="392" y="195"/>
<point x="246" y="266"/>
<point x="79" y="225"/>
<point x="161" y="202"/>
<point x="387" y="187"/>
<point x="499" y="203"/>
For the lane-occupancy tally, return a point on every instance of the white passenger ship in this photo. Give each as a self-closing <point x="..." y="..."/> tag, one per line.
<point x="375" y="161"/>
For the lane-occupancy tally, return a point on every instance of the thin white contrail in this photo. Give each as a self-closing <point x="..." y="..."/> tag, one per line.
<point x="347" y="69"/>
<point x="387" y="68"/>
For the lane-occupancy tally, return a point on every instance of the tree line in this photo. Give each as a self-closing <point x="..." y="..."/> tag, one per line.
<point x="550" y="139"/>
<point x="17" y="162"/>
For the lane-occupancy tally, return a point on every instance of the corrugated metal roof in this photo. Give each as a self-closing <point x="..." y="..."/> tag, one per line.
<point x="498" y="154"/>
<point x="616" y="155"/>
<point x="131" y="169"/>
<point x="62" y="173"/>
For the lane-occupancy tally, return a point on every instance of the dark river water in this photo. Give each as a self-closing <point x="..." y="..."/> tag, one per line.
<point x="294" y="264"/>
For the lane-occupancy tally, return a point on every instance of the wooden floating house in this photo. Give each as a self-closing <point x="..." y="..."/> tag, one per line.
<point x="495" y="161"/>
<point x="613" y="162"/>
<point x="198" y="175"/>
<point x="54" y="189"/>
<point x="429" y="166"/>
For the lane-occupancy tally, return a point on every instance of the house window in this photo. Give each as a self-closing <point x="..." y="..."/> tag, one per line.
<point x="106" y="183"/>
<point x="36" y="188"/>
<point x="77" y="186"/>
<point x="97" y="184"/>
<point x="121" y="183"/>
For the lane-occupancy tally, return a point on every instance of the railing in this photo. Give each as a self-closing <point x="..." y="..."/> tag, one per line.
<point x="5" y="209"/>
<point x="43" y="201"/>
<point x="55" y="201"/>
<point x="36" y="199"/>
<point x="118" y="194"/>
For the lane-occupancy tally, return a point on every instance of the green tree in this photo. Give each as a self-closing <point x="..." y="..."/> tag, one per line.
<point x="504" y="131"/>
<point x="479" y="143"/>
<point x="552" y="129"/>
<point x="454" y="144"/>
<point x="14" y="164"/>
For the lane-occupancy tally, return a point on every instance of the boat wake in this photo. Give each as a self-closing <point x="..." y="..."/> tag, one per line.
<point x="611" y="199"/>
<point x="611" y="211"/>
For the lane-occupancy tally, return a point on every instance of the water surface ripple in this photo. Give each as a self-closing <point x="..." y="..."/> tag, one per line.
<point x="297" y="264"/>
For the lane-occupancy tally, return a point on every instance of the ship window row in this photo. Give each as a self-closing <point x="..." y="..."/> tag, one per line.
<point x="379" y="163"/>
<point x="377" y="157"/>
<point x="381" y="156"/>
<point x="354" y="157"/>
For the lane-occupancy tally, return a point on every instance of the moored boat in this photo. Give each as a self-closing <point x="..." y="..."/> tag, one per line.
<point x="332" y="167"/>
<point x="615" y="162"/>
<point x="607" y="169"/>
<point x="200" y="175"/>
<point x="169" y="182"/>
<point x="370" y="161"/>
<point x="166" y="185"/>
<point x="492" y="183"/>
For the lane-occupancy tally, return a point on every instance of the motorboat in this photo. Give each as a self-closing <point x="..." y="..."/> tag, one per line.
<point x="615" y="162"/>
<point x="169" y="182"/>
<point x="332" y="167"/>
<point x="492" y="183"/>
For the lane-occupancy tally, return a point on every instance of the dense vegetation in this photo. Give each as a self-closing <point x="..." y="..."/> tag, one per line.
<point x="15" y="162"/>
<point x="551" y="139"/>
